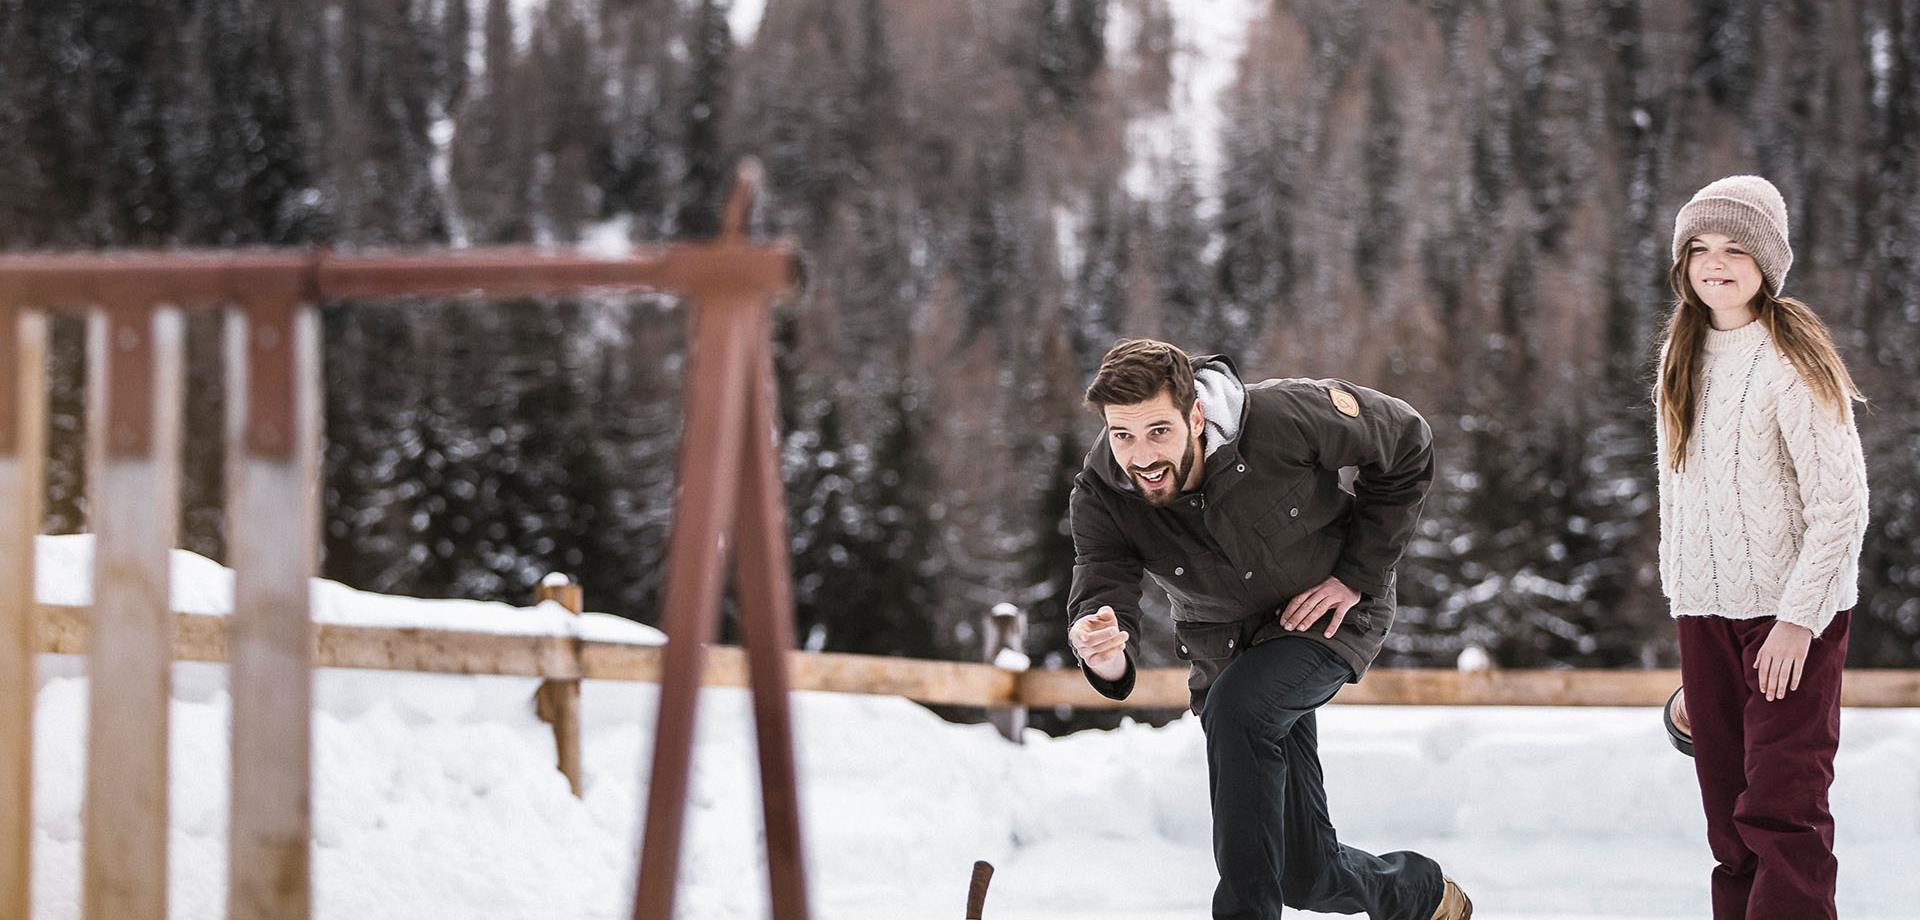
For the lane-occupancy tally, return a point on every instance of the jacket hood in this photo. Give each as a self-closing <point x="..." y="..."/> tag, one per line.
<point x="1223" y="402"/>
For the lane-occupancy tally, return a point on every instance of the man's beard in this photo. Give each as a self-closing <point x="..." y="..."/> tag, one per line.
<point x="1171" y="484"/>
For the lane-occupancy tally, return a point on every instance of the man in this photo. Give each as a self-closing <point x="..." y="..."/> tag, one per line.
<point x="1282" y="590"/>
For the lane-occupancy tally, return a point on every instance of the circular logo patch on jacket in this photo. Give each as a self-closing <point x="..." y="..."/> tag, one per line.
<point x="1344" y="401"/>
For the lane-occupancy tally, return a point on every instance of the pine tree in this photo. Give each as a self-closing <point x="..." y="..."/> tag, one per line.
<point x="249" y="155"/>
<point x="493" y="150"/>
<point x="631" y="160"/>
<point x="1184" y="280"/>
<point x="704" y="184"/>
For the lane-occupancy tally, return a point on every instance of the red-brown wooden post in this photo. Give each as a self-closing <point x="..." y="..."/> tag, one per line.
<point x="765" y="583"/>
<point x="729" y="487"/>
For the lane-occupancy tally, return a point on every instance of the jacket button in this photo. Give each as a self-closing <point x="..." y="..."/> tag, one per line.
<point x="1229" y="643"/>
<point x="1183" y="650"/>
<point x="1240" y="468"/>
<point x="1293" y="512"/>
<point x="1247" y="576"/>
<point x="1179" y="570"/>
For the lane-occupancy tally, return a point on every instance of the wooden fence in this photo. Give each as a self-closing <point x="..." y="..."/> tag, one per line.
<point x="562" y="662"/>
<point x="134" y="304"/>
<point x="203" y="637"/>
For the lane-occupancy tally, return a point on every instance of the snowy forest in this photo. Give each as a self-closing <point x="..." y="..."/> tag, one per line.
<point x="1465" y="203"/>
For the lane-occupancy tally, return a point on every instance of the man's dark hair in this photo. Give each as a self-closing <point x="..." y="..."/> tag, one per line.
<point x="1137" y="370"/>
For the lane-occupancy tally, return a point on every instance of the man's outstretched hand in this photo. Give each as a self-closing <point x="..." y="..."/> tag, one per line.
<point x="1310" y="605"/>
<point x="1100" y="643"/>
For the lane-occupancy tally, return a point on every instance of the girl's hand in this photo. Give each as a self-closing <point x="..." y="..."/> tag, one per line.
<point x="1782" y="658"/>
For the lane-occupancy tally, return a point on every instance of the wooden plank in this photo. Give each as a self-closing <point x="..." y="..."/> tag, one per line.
<point x="23" y="350"/>
<point x="65" y="630"/>
<point x="130" y="281"/>
<point x="272" y="535"/>
<point x="1877" y="688"/>
<point x="950" y="683"/>
<point x="445" y="652"/>
<point x="1166" y="688"/>
<point x="1158" y="688"/>
<point x="1449" y="687"/>
<point x="1153" y="688"/>
<point x="134" y="502"/>
<point x="202" y="637"/>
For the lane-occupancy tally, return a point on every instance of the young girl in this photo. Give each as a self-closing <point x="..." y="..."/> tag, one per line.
<point x="1763" y="505"/>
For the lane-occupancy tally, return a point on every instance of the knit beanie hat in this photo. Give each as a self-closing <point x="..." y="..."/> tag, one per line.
<point x="1747" y="208"/>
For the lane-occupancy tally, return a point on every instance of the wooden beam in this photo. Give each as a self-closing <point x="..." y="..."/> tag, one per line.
<point x="201" y="637"/>
<point x="23" y="401"/>
<point x="950" y="683"/>
<point x="1153" y="688"/>
<point x="1876" y="688"/>
<point x="1166" y="688"/>
<point x="1450" y="687"/>
<point x="132" y="281"/>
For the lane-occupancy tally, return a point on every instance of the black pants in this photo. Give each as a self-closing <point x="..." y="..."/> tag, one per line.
<point x="1272" y="839"/>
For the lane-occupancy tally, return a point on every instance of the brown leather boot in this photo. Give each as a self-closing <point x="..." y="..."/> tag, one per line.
<point x="1454" y="903"/>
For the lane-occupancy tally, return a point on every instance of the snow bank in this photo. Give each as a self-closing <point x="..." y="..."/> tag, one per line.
<point x="436" y="796"/>
<point x="63" y="564"/>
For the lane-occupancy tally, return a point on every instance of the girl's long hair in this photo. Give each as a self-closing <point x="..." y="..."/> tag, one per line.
<point x="1792" y="326"/>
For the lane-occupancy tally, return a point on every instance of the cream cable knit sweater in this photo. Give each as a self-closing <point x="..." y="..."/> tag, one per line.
<point x="1768" y="515"/>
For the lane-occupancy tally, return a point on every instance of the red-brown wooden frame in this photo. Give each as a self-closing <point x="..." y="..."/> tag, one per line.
<point x="729" y="487"/>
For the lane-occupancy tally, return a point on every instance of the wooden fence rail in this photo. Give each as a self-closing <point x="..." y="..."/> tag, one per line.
<point x="201" y="637"/>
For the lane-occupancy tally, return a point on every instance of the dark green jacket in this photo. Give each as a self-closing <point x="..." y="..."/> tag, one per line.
<point x="1269" y="521"/>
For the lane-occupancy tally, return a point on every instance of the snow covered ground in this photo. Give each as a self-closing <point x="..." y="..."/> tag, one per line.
<point x="436" y="796"/>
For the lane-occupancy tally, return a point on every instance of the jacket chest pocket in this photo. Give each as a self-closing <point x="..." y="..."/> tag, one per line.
<point x="1282" y="522"/>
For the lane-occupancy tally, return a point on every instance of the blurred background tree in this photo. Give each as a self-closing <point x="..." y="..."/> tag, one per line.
<point x="1464" y="204"/>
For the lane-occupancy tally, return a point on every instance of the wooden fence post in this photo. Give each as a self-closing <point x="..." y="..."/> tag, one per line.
<point x="23" y="349"/>
<point x="135" y="359"/>
<point x="273" y="529"/>
<point x="1005" y="648"/>
<point x="558" y="701"/>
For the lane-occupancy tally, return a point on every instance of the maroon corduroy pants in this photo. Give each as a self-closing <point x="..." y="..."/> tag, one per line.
<point x="1764" y="767"/>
